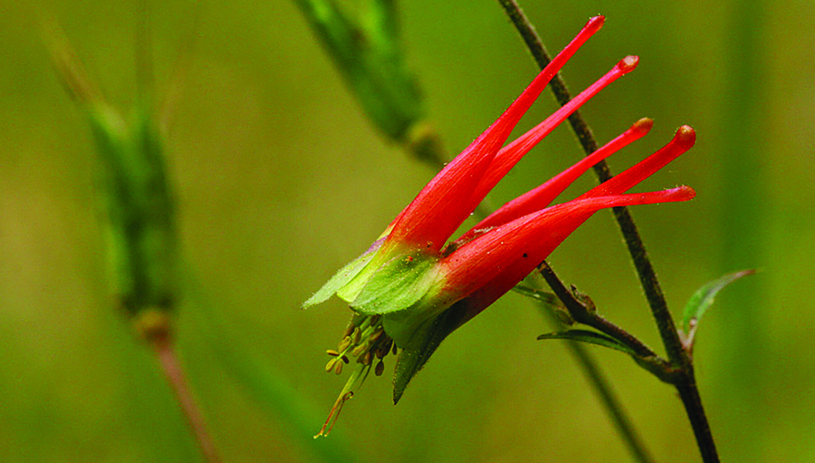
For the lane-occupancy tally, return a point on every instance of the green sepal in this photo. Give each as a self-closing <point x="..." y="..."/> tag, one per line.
<point x="590" y="337"/>
<point x="342" y="277"/>
<point x="397" y="285"/>
<point x="421" y="345"/>
<point x="703" y="298"/>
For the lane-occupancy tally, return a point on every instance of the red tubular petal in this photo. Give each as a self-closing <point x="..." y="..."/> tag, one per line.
<point x="493" y="263"/>
<point x="543" y="195"/>
<point x="447" y="200"/>
<point x="683" y="141"/>
<point x="515" y="151"/>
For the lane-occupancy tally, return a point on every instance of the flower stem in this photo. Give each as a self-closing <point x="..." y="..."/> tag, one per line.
<point x="581" y="314"/>
<point x="680" y="358"/>
<point x="163" y="348"/>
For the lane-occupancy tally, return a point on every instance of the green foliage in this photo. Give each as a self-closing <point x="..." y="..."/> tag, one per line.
<point x="543" y="297"/>
<point x="548" y="301"/>
<point x="703" y="298"/>
<point x="369" y="56"/>
<point x="139" y="207"/>
<point x="590" y="337"/>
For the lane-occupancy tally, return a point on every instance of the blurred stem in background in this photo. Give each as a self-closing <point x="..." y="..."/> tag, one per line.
<point x="745" y="210"/>
<point x="142" y="248"/>
<point x="560" y="318"/>
<point x="369" y="56"/>
<point x="267" y="387"/>
<point x="140" y="218"/>
<point x="146" y="267"/>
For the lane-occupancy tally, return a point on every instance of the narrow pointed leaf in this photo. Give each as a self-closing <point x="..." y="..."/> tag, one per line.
<point x="703" y="298"/>
<point x="548" y="302"/>
<point x="590" y="337"/>
<point x="538" y="295"/>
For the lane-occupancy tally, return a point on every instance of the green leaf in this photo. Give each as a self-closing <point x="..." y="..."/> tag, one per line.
<point x="342" y="277"/>
<point x="703" y="298"/>
<point x="590" y="337"/>
<point x="397" y="285"/>
<point x="538" y="295"/>
<point x="548" y="302"/>
<point x="369" y="56"/>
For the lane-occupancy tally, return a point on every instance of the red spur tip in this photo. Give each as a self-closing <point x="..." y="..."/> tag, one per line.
<point x="595" y="23"/>
<point x="628" y="64"/>
<point x="685" y="137"/>
<point x="643" y="126"/>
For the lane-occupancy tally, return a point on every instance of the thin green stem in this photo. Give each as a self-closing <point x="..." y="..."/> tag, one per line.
<point x="678" y="356"/>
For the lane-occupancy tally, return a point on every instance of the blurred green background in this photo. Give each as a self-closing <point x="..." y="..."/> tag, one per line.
<point x="281" y="180"/>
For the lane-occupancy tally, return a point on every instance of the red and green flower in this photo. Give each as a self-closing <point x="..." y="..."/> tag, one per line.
<point x="414" y="286"/>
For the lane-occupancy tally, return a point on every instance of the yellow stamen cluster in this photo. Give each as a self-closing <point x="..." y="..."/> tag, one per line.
<point x="365" y="340"/>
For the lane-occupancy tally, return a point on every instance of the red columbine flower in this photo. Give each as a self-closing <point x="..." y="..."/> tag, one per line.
<point x="412" y="288"/>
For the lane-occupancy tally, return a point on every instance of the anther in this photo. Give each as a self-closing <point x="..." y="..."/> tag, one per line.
<point x="359" y="349"/>
<point x="330" y="365"/>
<point x="348" y="330"/>
<point x="338" y="367"/>
<point x="332" y="353"/>
<point x="380" y="368"/>
<point x="383" y="349"/>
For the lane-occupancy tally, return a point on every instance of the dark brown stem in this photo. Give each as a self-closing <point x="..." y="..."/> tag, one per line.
<point x="689" y="393"/>
<point x="645" y="270"/>
<point x="582" y="310"/>
<point x="582" y="313"/>
<point x="174" y="373"/>
<point x="636" y="248"/>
